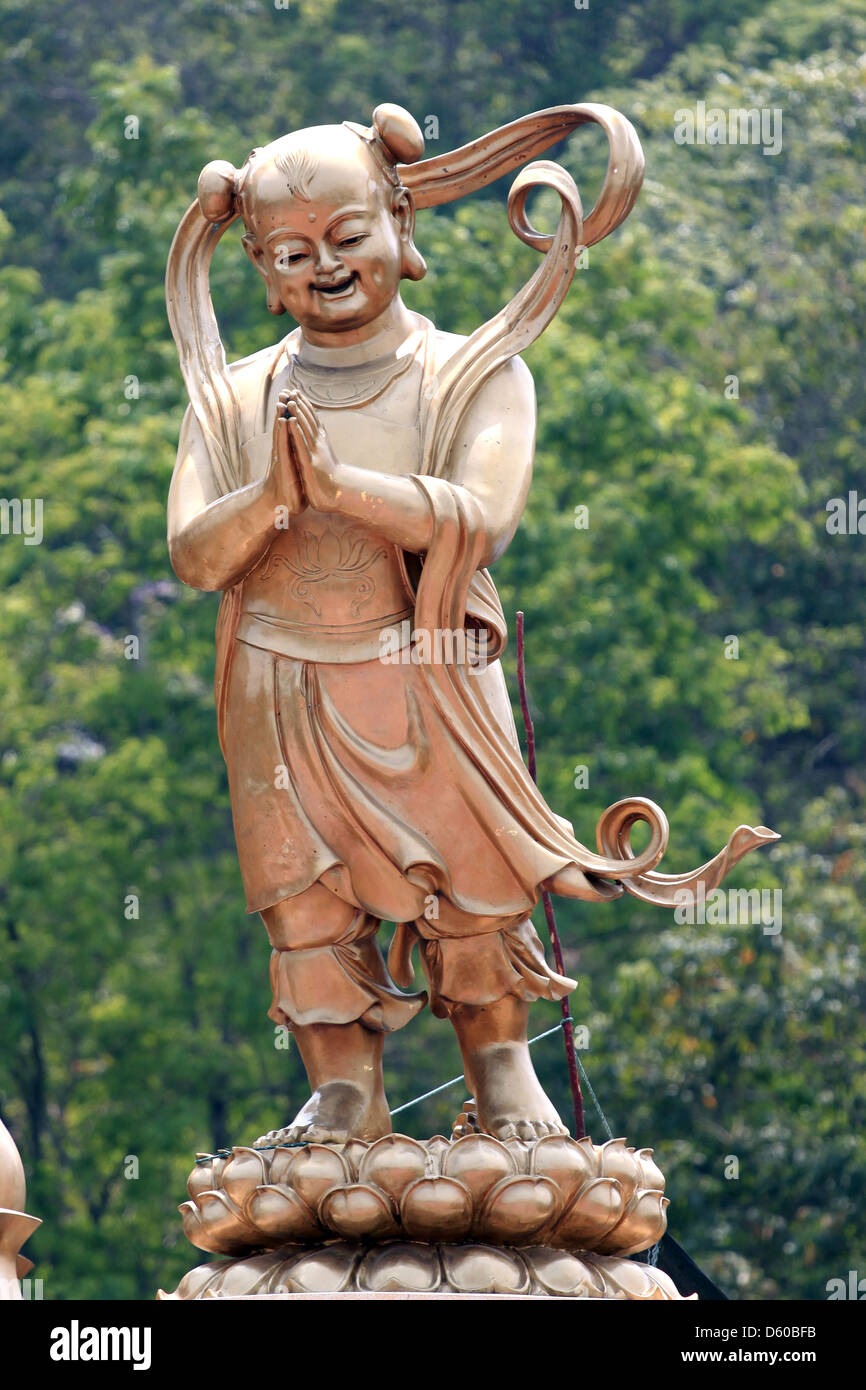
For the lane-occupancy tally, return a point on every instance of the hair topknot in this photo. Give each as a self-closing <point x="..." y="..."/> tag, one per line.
<point x="399" y="132"/>
<point x="216" y="190"/>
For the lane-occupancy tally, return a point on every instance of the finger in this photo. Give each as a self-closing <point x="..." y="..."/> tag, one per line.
<point x="302" y="451"/>
<point x="302" y="407"/>
<point x="285" y="451"/>
<point x="302" y="419"/>
<point x="309" y="414"/>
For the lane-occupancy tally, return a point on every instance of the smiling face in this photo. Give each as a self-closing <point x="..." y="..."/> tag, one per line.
<point x="326" y="229"/>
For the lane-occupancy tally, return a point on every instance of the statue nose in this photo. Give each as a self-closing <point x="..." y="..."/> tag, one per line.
<point x="326" y="261"/>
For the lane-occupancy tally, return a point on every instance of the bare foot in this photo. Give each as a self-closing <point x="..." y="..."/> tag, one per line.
<point x="511" y="1102"/>
<point x="335" y="1113"/>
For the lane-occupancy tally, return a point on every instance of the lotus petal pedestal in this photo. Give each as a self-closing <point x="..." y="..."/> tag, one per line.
<point x="466" y="1216"/>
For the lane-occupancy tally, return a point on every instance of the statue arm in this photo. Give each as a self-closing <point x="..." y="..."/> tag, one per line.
<point x="390" y="504"/>
<point x="214" y="539"/>
<point x="491" y="458"/>
<point x="493" y="452"/>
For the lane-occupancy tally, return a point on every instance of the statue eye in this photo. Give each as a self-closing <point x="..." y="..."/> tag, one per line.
<point x="284" y="258"/>
<point x="354" y="240"/>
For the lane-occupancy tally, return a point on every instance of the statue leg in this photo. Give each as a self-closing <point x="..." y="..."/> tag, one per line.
<point x="331" y="988"/>
<point x="484" y="982"/>
<point x="343" y="1062"/>
<point x="499" y="1072"/>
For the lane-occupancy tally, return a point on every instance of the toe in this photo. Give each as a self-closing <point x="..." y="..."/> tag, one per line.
<point x="526" y="1130"/>
<point x="505" y="1132"/>
<point x="323" y="1134"/>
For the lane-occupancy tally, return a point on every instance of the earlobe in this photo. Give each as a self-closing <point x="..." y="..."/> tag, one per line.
<point x="256" y="255"/>
<point x="414" y="266"/>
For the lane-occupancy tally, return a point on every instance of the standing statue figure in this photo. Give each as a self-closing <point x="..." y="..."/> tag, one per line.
<point x="346" y="490"/>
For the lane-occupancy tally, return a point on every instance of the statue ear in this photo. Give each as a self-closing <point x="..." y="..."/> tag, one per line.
<point x="255" y="253"/>
<point x="414" y="266"/>
<point x="257" y="256"/>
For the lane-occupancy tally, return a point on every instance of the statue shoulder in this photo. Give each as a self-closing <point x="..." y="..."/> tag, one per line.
<point x="251" y="375"/>
<point x="512" y="382"/>
<point x="250" y="379"/>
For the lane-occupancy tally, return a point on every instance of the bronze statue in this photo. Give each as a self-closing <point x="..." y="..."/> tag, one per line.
<point x="346" y="491"/>
<point x="15" y="1224"/>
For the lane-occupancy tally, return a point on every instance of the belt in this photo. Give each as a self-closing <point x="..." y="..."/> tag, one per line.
<point x="341" y="642"/>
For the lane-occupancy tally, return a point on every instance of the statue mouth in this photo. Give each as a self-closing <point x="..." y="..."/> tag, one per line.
<point x="337" y="288"/>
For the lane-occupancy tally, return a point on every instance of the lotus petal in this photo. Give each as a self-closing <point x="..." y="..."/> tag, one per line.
<point x="593" y="1153"/>
<point x="517" y="1208"/>
<point x="479" y="1162"/>
<point x="246" y="1276"/>
<point x="315" y="1170"/>
<point x="594" y="1211"/>
<point x="620" y="1162"/>
<point x="195" y="1281"/>
<point x="643" y="1223"/>
<point x="664" y="1282"/>
<point x="563" y="1274"/>
<point x="484" y="1269"/>
<point x="353" y="1152"/>
<point x="359" y="1210"/>
<point x="202" y="1177"/>
<point x="651" y="1176"/>
<point x="627" y="1279"/>
<point x="437" y="1149"/>
<point x="392" y="1163"/>
<point x="243" y="1173"/>
<point x="326" y="1270"/>
<point x="436" y="1209"/>
<point x="563" y="1161"/>
<point x="281" y="1161"/>
<point x="521" y="1152"/>
<point x="281" y="1214"/>
<point x="283" y="1258"/>
<point x="214" y="1223"/>
<point x="399" y="1268"/>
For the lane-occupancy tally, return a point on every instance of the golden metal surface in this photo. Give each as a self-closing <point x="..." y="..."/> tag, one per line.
<point x="347" y="1267"/>
<point x="556" y="1191"/>
<point x="15" y="1225"/>
<point x="348" y="485"/>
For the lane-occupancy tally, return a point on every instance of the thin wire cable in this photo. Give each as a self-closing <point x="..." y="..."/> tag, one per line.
<point x="453" y="1082"/>
<point x="594" y="1097"/>
<point x="407" y="1105"/>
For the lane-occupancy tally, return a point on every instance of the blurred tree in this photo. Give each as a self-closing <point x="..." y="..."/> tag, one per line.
<point x="133" y="987"/>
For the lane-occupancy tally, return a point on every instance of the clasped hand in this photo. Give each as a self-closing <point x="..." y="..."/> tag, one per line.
<point x="303" y="467"/>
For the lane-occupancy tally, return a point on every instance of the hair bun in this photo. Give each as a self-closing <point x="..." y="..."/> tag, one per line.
<point x="216" y="190"/>
<point x="399" y="132"/>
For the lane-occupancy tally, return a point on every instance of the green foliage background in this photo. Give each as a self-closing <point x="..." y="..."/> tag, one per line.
<point x="149" y="1037"/>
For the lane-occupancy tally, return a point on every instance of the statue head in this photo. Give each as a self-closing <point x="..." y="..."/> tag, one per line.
<point x="329" y="217"/>
<point x="329" y="225"/>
